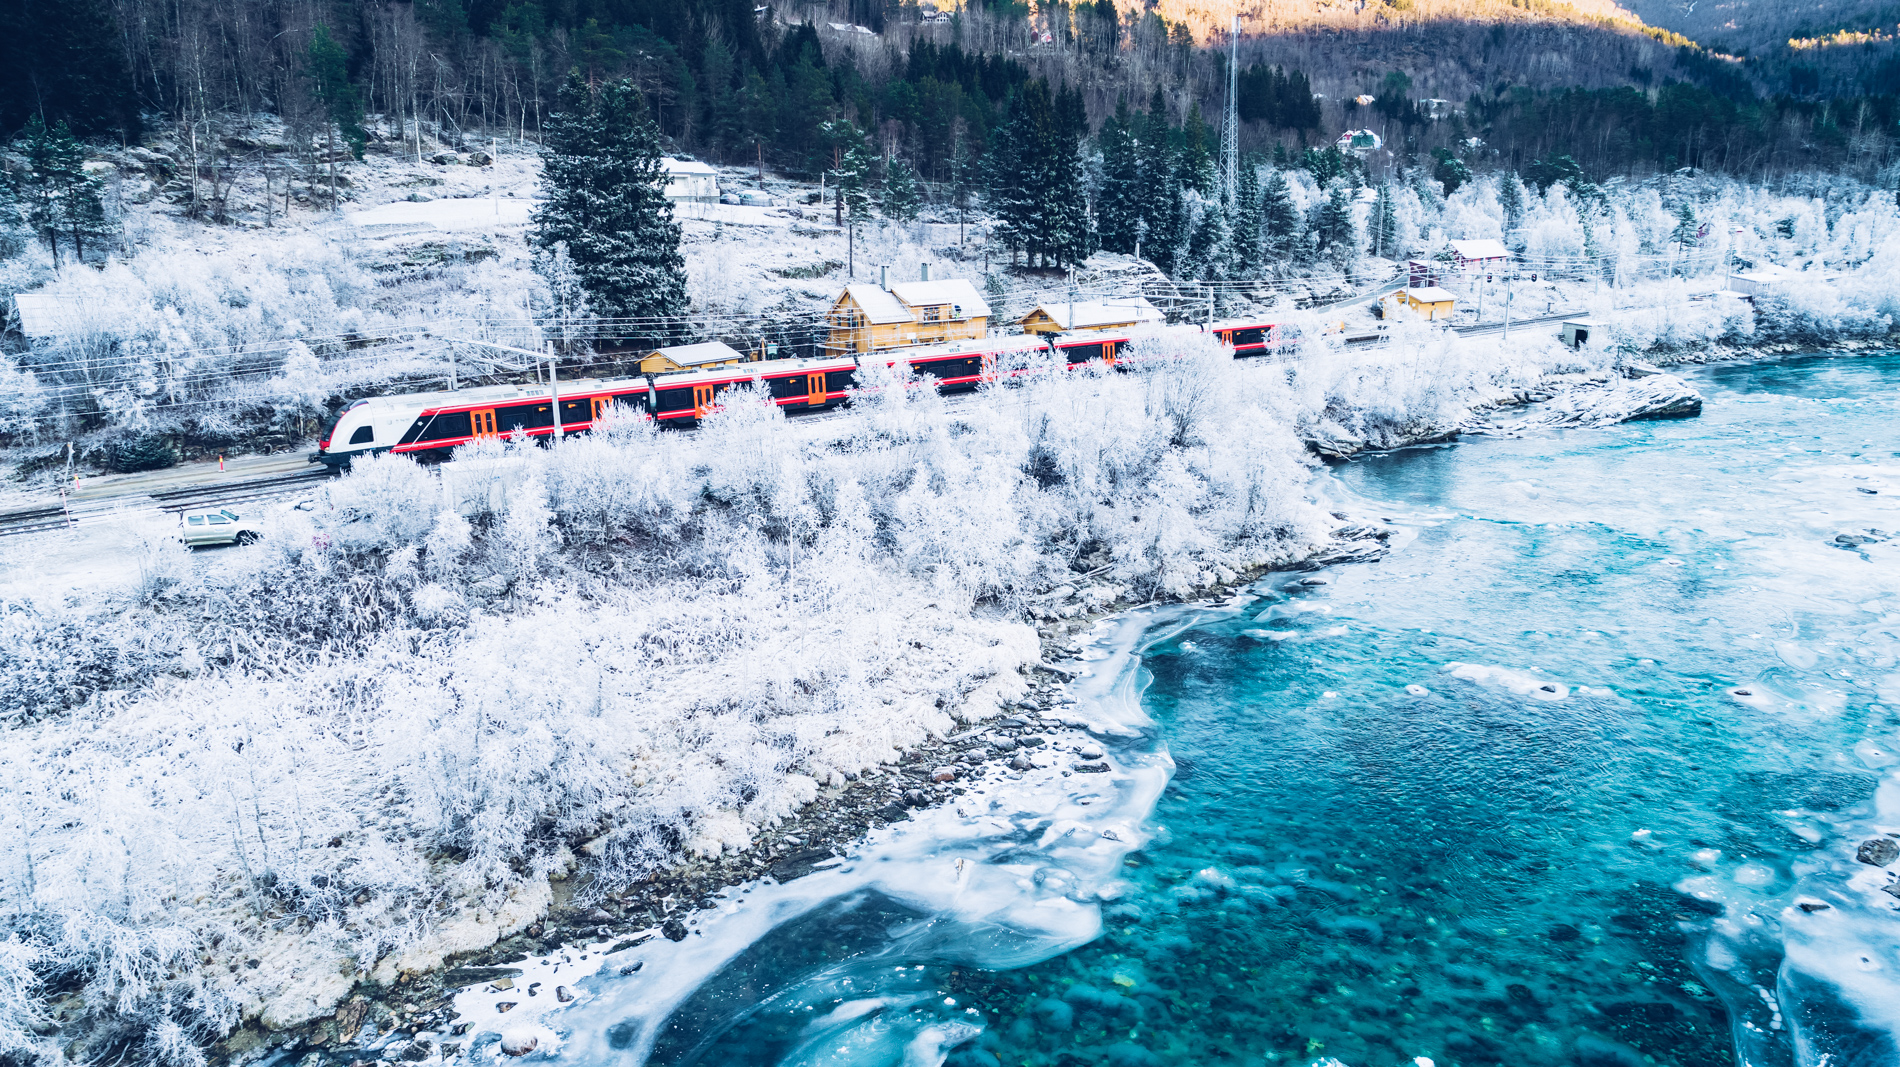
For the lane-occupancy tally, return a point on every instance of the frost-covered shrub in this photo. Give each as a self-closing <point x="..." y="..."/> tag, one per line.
<point x="54" y="659"/>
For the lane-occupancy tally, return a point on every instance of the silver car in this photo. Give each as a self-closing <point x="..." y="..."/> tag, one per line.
<point x="221" y="526"/>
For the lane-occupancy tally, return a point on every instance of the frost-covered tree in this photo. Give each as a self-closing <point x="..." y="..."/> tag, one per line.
<point x="602" y="186"/>
<point x="1686" y="232"/>
<point x="1279" y="218"/>
<point x="1338" y="237"/>
<point x="902" y="196"/>
<point x="1119" y="205"/>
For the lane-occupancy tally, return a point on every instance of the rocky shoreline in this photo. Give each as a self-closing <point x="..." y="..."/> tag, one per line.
<point x="412" y="1019"/>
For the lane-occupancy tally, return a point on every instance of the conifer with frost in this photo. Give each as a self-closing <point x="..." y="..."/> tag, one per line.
<point x="903" y="197"/>
<point x="1279" y="219"/>
<point x="1119" y="207"/>
<point x="1511" y="199"/>
<point x="603" y="196"/>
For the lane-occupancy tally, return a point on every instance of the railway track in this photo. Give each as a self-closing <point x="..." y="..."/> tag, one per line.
<point x="168" y="501"/>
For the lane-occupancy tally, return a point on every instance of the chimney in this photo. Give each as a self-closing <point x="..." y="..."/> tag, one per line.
<point x="884" y="278"/>
<point x="926" y="276"/>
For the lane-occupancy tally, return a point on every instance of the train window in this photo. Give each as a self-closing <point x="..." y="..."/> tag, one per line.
<point x="447" y="427"/>
<point x="635" y="401"/>
<point x="676" y="400"/>
<point x="363" y="435"/>
<point x="787" y="386"/>
<point x="1082" y="353"/>
<point x="524" y="417"/>
<point x="1251" y="336"/>
<point x="580" y="410"/>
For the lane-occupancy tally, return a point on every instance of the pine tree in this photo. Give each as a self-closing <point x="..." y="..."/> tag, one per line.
<point x="602" y="187"/>
<point x="902" y="197"/>
<point x="1279" y="219"/>
<point x="1511" y="199"/>
<point x="1119" y="208"/>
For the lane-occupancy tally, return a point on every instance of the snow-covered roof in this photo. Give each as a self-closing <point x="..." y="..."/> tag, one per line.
<point x="1094" y="314"/>
<point x="1481" y="248"/>
<point x="1768" y="272"/>
<point x="686" y="166"/>
<point x="878" y="306"/>
<point x="43" y="315"/>
<point x="702" y="354"/>
<point x="1430" y="294"/>
<point x="948" y="291"/>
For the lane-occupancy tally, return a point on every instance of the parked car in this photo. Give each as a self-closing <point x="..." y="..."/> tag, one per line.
<point x="221" y="526"/>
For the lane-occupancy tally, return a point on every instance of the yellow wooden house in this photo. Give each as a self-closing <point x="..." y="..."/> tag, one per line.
<point x="870" y="318"/>
<point x="1429" y="302"/>
<point x="1063" y="316"/>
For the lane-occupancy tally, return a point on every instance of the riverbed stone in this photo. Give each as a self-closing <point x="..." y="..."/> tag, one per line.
<point x="1878" y="851"/>
<point x="520" y="1042"/>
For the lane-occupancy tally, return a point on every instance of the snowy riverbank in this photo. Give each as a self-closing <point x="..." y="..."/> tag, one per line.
<point x="391" y="738"/>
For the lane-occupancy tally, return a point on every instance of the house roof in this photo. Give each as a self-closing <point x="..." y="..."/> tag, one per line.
<point x="1482" y="248"/>
<point x="700" y="354"/>
<point x="948" y="291"/>
<point x="878" y="306"/>
<point x="43" y="315"/>
<point x="1092" y="314"/>
<point x="685" y="167"/>
<point x="1430" y="294"/>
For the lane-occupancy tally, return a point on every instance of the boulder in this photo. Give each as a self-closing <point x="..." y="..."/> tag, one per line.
<point x="519" y="1042"/>
<point x="944" y="774"/>
<point x="1878" y="851"/>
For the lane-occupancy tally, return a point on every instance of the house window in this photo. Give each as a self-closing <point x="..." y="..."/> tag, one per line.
<point x="933" y="313"/>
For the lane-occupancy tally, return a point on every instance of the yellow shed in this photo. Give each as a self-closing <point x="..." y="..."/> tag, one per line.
<point x="691" y="357"/>
<point x="1060" y="316"/>
<point x="1429" y="301"/>
<point x="869" y="318"/>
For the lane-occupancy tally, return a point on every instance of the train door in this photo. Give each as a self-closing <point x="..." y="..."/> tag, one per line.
<point x="702" y="400"/>
<point x="815" y="389"/>
<point x="482" y="423"/>
<point x="600" y="406"/>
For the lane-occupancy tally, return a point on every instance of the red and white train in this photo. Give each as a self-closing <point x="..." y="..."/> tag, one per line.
<point x="427" y="422"/>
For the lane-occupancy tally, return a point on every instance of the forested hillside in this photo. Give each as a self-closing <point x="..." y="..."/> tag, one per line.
<point x="772" y="85"/>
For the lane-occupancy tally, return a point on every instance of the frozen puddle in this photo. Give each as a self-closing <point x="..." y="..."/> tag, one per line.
<point x="855" y="962"/>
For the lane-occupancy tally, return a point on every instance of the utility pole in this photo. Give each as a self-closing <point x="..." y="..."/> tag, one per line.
<point x="1071" y="323"/>
<point x="554" y="393"/>
<point x="1507" y="307"/>
<point x="1230" y="127"/>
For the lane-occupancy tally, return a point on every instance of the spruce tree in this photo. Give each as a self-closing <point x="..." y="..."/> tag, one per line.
<point x="1161" y="209"/>
<point x="1246" y="224"/>
<point x="1210" y="249"/>
<point x="602" y="188"/>
<point x="60" y="198"/>
<point x="1279" y="219"/>
<point x="1120" y="206"/>
<point x="902" y="197"/>
<point x="1036" y="181"/>
<point x="1384" y="224"/>
<point x="1686" y="232"/>
<point x="1337" y="237"/>
<point x="1511" y="200"/>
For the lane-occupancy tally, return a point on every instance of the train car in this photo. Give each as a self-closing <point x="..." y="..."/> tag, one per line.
<point x="959" y="366"/>
<point x="795" y="384"/>
<point x="424" y="422"/>
<point x="1251" y="337"/>
<point x="1080" y="349"/>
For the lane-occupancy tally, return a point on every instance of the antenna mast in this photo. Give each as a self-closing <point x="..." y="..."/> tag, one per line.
<point x="1230" y="127"/>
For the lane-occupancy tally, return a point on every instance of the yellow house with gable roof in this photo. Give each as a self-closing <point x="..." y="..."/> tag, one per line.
<point x="870" y="318"/>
